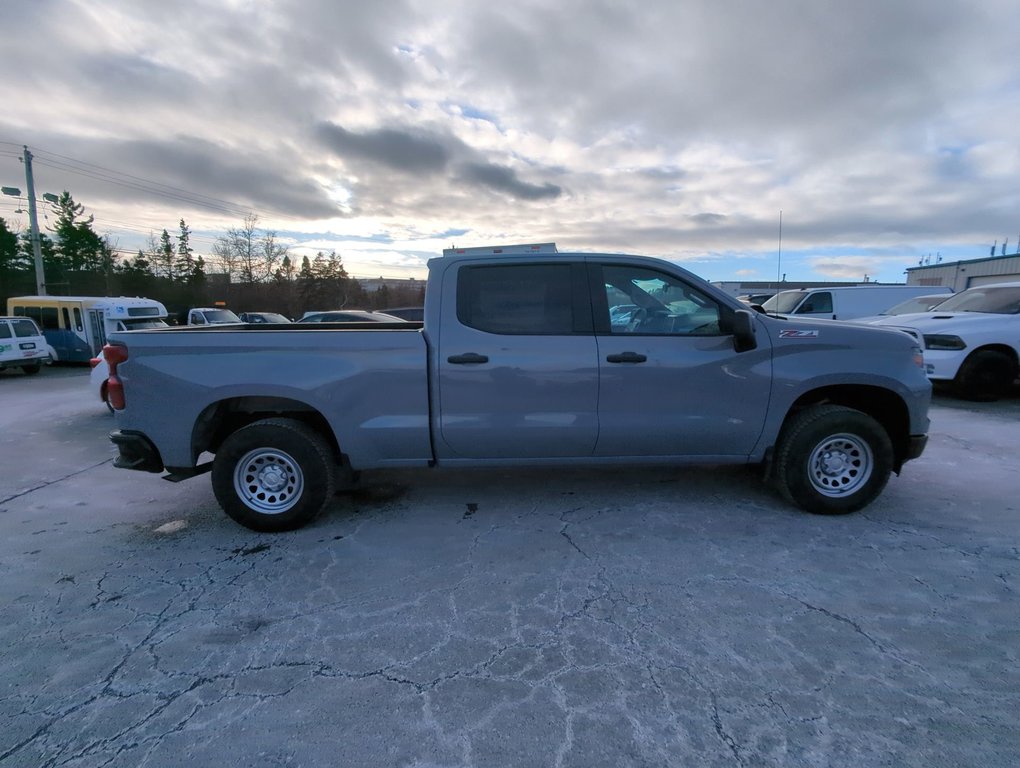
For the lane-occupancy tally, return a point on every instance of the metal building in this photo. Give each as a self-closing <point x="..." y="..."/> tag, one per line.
<point x="960" y="275"/>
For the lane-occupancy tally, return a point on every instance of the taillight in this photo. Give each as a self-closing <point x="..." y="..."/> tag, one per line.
<point x="94" y="362"/>
<point x="115" y="354"/>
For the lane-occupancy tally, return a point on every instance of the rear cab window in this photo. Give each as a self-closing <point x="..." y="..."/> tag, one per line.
<point x="524" y="299"/>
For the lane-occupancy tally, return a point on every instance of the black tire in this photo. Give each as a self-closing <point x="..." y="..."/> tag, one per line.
<point x="31" y="370"/>
<point x="985" y="376"/>
<point x="274" y="475"/>
<point x="832" y="460"/>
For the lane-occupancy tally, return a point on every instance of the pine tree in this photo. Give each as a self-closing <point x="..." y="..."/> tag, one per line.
<point x="164" y="258"/>
<point x="15" y="269"/>
<point x="79" y="248"/>
<point x="184" y="266"/>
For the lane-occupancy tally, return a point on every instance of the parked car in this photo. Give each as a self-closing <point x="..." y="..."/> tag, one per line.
<point x="22" y="345"/>
<point x="971" y="340"/>
<point x="756" y="298"/>
<point x="100" y="374"/>
<point x="620" y="314"/>
<point x="263" y="317"/>
<point x="349" y="316"/>
<point x="909" y="307"/>
<point x="413" y="314"/>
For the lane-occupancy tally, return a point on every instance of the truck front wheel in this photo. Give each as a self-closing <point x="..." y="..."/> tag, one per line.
<point x="273" y="475"/>
<point x="832" y="460"/>
<point x="985" y="376"/>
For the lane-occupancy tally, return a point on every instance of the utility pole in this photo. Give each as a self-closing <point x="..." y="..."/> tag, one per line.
<point x="33" y="221"/>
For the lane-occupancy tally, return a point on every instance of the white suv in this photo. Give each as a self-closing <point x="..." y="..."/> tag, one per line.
<point x="971" y="340"/>
<point x="22" y="345"/>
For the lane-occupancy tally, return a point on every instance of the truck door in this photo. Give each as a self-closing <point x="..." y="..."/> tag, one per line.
<point x="517" y="364"/>
<point x="817" y="304"/>
<point x="671" y="383"/>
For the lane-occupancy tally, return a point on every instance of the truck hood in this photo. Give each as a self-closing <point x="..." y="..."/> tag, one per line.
<point x="792" y="331"/>
<point x="939" y="322"/>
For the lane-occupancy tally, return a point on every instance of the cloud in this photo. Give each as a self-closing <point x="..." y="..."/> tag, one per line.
<point x="677" y="129"/>
<point x="503" y="179"/>
<point x="422" y="153"/>
<point x="410" y="151"/>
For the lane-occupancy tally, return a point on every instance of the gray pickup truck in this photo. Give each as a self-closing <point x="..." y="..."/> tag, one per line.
<point x="562" y="358"/>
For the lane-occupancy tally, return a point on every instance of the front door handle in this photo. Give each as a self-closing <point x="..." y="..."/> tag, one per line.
<point x="469" y="358"/>
<point x="626" y="357"/>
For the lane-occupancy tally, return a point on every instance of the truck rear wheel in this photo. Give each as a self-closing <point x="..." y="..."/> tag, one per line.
<point x="273" y="475"/>
<point x="31" y="369"/>
<point x="832" y="460"/>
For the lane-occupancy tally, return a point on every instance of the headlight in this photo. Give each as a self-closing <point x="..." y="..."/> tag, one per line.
<point x="942" y="341"/>
<point x="918" y="357"/>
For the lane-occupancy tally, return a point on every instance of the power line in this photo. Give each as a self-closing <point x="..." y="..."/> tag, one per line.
<point x="139" y="183"/>
<point x="146" y="187"/>
<point x="72" y="165"/>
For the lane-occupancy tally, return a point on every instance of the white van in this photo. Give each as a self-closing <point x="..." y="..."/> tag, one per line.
<point x="846" y="303"/>
<point x="22" y="345"/>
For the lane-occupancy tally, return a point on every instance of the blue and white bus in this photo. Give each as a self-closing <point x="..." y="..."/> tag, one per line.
<point x="76" y="326"/>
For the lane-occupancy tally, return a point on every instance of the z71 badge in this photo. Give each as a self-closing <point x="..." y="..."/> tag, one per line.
<point x="792" y="333"/>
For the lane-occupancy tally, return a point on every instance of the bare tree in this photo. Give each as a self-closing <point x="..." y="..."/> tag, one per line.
<point x="253" y="259"/>
<point x="272" y="255"/>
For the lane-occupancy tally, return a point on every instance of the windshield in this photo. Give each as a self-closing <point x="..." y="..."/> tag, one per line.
<point x="1004" y="300"/>
<point x="264" y="317"/>
<point x="221" y="316"/>
<point x="136" y="325"/>
<point x="916" y="304"/>
<point x="783" y="303"/>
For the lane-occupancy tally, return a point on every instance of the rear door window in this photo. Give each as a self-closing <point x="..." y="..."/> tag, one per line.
<point x="25" y="328"/>
<point x="524" y="299"/>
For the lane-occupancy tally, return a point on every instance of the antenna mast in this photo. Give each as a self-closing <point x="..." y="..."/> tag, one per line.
<point x="779" y="261"/>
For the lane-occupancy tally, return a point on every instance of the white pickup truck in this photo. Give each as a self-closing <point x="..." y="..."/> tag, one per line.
<point x="521" y="359"/>
<point x="212" y="316"/>
<point x="971" y="340"/>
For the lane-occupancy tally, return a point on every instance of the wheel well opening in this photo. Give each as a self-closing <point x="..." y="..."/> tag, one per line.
<point x="219" y="420"/>
<point x="1002" y="349"/>
<point x="884" y="406"/>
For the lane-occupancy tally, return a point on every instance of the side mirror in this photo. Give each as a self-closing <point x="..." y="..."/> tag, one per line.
<point x="743" y="331"/>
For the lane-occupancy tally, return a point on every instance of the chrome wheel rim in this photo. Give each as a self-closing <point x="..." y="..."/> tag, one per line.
<point x="840" y="465"/>
<point x="268" y="481"/>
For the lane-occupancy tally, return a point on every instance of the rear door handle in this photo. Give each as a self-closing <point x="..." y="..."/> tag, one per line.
<point x="469" y="358"/>
<point x="626" y="357"/>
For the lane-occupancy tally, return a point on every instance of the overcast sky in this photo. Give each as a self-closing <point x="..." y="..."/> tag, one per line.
<point x="884" y="130"/>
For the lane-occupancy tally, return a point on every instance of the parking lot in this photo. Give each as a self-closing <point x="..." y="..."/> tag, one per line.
<point x="494" y="618"/>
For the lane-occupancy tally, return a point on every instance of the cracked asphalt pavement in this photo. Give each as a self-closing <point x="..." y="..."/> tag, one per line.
<point x="646" y="617"/>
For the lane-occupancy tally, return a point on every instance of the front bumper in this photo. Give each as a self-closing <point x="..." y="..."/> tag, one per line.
<point x="915" y="447"/>
<point x="136" y="451"/>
